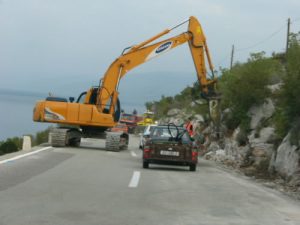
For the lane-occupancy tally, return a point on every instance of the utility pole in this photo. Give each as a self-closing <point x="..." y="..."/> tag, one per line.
<point x="288" y="36"/>
<point x="232" y="54"/>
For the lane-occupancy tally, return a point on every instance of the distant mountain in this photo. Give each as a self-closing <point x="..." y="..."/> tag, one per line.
<point x="140" y="88"/>
<point x="27" y="93"/>
<point x="135" y="89"/>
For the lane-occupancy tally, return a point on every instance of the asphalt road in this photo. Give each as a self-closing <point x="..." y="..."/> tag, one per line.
<point x="88" y="185"/>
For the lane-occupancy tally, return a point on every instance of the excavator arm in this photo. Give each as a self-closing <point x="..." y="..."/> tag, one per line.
<point x="147" y="50"/>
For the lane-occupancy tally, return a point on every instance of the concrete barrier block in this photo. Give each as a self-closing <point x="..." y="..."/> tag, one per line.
<point x="26" y="143"/>
<point x="49" y="138"/>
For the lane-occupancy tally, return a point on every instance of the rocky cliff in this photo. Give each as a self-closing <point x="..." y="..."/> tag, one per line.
<point x="257" y="153"/>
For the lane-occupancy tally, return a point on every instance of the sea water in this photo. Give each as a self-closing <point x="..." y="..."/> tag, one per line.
<point x="16" y="111"/>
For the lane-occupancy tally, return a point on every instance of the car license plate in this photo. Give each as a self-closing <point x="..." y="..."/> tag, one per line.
<point x="171" y="153"/>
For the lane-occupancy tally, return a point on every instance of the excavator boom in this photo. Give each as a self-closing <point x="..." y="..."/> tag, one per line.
<point x="146" y="51"/>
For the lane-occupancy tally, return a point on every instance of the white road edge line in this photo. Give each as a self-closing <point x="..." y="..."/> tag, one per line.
<point x="133" y="154"/>
<point x="134" y="182"/>
<point x="24" y="155"/>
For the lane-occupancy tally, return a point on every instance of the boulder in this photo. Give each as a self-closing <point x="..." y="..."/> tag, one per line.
<point x="213" y="147"/>
<point x="286" y="158"/>
<point x="258" y="113"/>
<point x="198" y="118"/>
<point x="209" y="155"/>
<point x="266" y="135"/>
<point x="236" y="133"/>
<point x="220" y="155"/>
<point x="173" y="112"/>
<point x="261" y="150"/>
<point x="258" y="152"/>
<point x="275" y="87"/>
<point x="234" y="152"/>
<point x="200" y="102"/>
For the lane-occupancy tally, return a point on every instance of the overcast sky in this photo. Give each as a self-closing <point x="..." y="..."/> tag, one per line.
<point x="44" y="41"/>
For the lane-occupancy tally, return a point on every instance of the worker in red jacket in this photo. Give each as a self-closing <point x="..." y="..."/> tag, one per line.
<point x="189" y="127"/>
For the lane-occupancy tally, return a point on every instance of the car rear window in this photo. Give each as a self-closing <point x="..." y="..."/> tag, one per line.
<point x="165" y="133"/>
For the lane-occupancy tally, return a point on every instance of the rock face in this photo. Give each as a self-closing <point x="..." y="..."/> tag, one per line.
<point x="286" y="160"/>
<point x="257" y="155"/>
<point x="180" y="116"/>
<point x="257" y="113"/>
<point x="173" y="112"/>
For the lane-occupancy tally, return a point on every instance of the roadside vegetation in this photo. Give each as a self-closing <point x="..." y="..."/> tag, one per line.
<point x="188" y="99"/>
<point x="15" y="144"/>
<point x="246" y="85"/>
<point x="287" y="116"/>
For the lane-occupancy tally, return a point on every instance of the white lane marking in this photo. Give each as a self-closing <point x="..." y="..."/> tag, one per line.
<point x="24" y="155"/>
<point x="133" y="154"/>
<point x="134" y="182"/>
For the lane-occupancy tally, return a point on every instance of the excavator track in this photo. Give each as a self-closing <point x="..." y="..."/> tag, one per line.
<point x="112" y="142"/>
<point x="116" y="141"/>
<point x="59" y="137"/>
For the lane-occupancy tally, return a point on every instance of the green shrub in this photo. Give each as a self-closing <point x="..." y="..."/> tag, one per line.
<point x="15" y="144"/>
<point x="242" y="138"/>
<point x="295" y="133"/>
<point x="245" y="85"/>
<point x="8" y="146"/>
<point x="288" y="111"/>
<point x="41" y="137"/>
<point x="182" y="100"/>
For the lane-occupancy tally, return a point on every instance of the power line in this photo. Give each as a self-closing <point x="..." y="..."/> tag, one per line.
<point x="262" y="41"/>
<point x="222" y="60"/>
<point x="267" y="38"/>
<point x="295" y="20"/>
<point x="258" y="43"/>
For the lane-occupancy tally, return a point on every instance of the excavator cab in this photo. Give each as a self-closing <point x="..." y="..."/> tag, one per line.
<point x="88" y="97"/>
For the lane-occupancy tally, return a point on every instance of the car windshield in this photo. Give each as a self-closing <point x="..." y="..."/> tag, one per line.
<point x="165" y="133"/>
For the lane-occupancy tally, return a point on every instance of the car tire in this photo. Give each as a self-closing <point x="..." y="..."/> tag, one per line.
<point x="193" y="167"/>
<point x="145" y="165"/>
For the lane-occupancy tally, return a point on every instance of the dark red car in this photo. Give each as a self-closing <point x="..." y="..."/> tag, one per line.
<point x="170" y="145"/>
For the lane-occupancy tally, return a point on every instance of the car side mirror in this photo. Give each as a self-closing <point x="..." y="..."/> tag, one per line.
<point x="71" y="99"/>
<point x="146" y="136"/>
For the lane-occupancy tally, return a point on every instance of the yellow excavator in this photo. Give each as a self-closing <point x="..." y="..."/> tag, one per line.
<point x="98" y="109"/>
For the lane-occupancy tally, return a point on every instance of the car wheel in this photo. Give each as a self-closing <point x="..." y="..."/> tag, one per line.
<point x="193" y="167"/>
<point x="145" y="165"/>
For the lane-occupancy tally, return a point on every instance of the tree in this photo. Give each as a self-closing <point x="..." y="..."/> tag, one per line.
<point x="287" y="115"/>
<point x="8" y="146"/>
